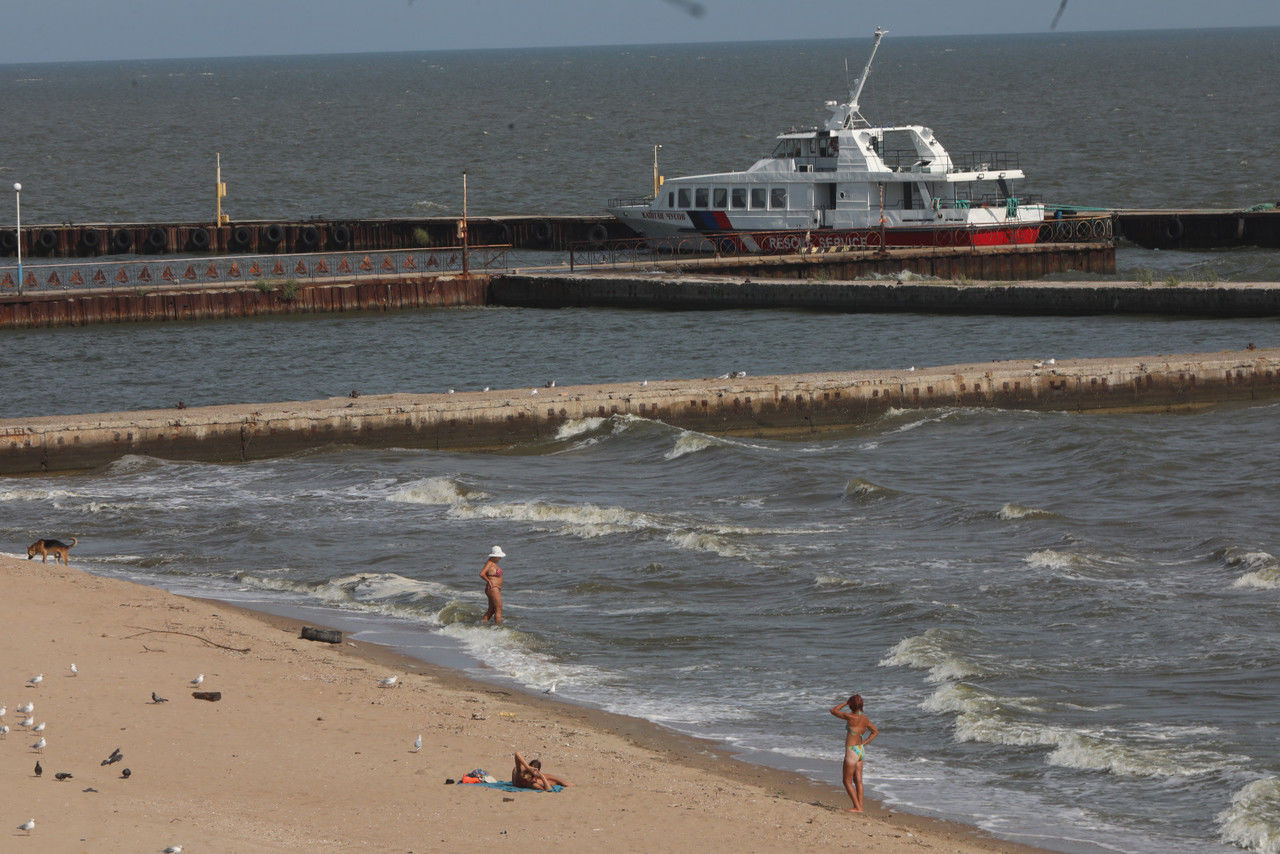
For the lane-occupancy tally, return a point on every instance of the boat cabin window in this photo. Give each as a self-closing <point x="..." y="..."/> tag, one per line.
<point x="739" y="197"/>
<point x="787" y="148"/>
<point x="828" y="147"/>
<point x="684" y="198"/>
<point x="700" y="197"/>
<point x="778" y="197"/>
<point x="719" y="198"/>
<point x="758" y="197"/>
<point x="671" y="200"/>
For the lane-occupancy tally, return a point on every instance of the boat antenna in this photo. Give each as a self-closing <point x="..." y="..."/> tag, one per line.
<point x="855" y="94"/>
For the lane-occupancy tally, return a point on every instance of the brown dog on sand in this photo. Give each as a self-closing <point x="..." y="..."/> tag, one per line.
<point x="60" y="550"/>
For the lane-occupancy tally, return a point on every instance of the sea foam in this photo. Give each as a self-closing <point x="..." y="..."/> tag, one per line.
<point x="1011" y="512"/>
<point x="933" y="651"/>
<point x="1263" y="570"/>
<point x="1253" y="819"/>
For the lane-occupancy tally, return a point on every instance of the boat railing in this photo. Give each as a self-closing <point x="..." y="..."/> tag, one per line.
<point x="660" y="252"/>
<point x="631" y="202"/>
<point x="985" y="161"/>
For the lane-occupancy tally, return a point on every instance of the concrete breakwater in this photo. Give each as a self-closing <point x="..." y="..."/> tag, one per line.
<point x="793" y="405"/>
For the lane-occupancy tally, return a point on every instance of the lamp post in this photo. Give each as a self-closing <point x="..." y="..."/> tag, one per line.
<point x="656" y="149"/>
<point x="17" y="202"/>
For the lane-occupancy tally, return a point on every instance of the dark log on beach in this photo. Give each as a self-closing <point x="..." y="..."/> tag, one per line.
<point x="323" y="635"/>
<point x="211" y="696"/>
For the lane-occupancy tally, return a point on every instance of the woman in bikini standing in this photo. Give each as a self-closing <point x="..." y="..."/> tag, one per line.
<point x="492" y="575"/>
<point x="859" y="730"/>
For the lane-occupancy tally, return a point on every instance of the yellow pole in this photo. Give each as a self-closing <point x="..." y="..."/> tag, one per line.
<point x="220" y="190"/>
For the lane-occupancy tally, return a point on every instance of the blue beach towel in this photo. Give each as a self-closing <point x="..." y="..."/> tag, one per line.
<point x="508" y="787"/>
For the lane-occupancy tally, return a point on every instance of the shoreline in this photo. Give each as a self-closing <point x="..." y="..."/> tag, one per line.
<point x="638" y="764"/>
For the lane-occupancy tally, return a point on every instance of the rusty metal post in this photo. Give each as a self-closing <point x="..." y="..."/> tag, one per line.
<point x="462" y="226"/>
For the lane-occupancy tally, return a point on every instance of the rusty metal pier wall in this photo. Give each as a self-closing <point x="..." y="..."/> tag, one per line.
<point x="80" y="308"/>
<point x="796" y="405"/>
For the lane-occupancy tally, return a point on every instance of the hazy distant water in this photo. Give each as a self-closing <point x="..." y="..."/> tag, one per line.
<point x="1064" y="624"/>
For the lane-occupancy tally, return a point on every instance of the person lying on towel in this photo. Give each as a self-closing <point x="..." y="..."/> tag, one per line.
<point x="529" y="775"/>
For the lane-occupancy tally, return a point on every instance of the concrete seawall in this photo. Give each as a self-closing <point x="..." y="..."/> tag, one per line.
<point x="783" y="405"/>
<point x="685" y="291"/>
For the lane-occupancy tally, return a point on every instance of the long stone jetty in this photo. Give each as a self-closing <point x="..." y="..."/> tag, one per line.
<point x="794" y="405"/>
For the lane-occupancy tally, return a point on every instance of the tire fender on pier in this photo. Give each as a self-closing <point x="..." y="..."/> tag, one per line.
<point x="273" y="233"/>
<point x="242" y="235"/>
<point x="597" y="234"/>
<point x="157" y="240"/>
<point x="121" y="240"/>
<point x="47" y="239"/>
<point x="542" y="231"/>
<point x="340" y="236"/>
<point x="309" y="236"/>
<point x="199" y="238"/>
<point x="1173" y="228"/>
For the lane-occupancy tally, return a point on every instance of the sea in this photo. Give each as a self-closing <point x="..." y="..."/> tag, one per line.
<point x="1065" y="625"/>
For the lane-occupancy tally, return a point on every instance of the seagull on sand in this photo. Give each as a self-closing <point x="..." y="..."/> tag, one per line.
<point x="40" y="726"/>
<point x="28" y="825"/>
<point x="389" y="682"/>
<point x="28" y="722"/>
<point x="173" y="849"/>
<point x="26" y="708"/>
<point x="3" y="710"/>
<point x="156" y="698"/>
<point x="75" y="671"/>
<point x="417" y="743"/>
<point x="40" y="745"/>
<point x="195" y="683"/>
<point x="4" y="731"/>
<point x="35" y="681"/>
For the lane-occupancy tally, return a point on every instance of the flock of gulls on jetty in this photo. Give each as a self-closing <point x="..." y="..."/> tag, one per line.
<point x="28" y="722"/>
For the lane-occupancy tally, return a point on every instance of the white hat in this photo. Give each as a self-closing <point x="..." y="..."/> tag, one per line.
<point x="497" y="552"/>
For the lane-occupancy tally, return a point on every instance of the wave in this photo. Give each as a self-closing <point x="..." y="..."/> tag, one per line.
<point x="1010" y="512"/>
<point x="1263" y="569"/>
<point x="515" y="654"/>
<point x="933" y="651"/>
<point x="994" y="719"/>
<point x="689" y="443"/>
<point x="373" y="592"/>
<point x="36" y="494"/>
<point x="1253" y="820"/>
<point x="857" y="488"/>
<point x="584" y="521"/>
<point x="577" y="427"/>
<point x="435" y="491"/>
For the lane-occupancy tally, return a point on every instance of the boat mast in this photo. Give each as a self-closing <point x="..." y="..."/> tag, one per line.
<point x="855" y="94"/>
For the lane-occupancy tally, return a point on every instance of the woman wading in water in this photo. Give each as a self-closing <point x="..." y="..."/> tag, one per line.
<point x="858" y="732"/>
<point x="492" y="575"/>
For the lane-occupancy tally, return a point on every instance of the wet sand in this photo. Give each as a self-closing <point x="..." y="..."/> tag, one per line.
<point x="305" y="749"/>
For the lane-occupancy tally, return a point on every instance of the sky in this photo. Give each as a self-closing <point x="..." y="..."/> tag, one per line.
<point x="73" y="30"/>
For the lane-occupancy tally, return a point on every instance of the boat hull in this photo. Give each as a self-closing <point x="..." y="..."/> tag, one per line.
<point x="802" y="240"/>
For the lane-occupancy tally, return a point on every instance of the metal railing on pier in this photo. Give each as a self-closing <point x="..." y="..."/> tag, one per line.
<point x="721" y="244"/>
<point x="249" y="270"/>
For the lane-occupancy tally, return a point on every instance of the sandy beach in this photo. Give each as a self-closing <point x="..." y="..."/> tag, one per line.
<point x="306" y="750"/>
